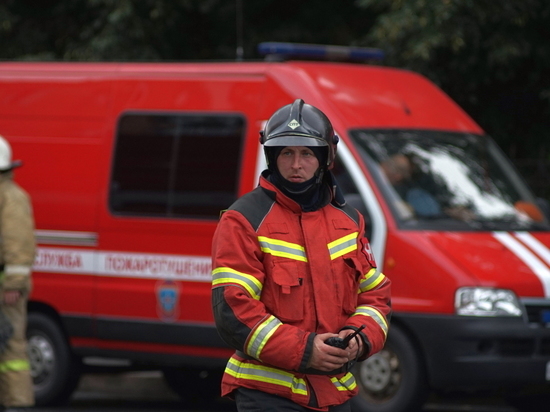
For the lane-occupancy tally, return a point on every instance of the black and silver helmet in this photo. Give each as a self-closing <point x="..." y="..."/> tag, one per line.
<point x="298" y="124"/>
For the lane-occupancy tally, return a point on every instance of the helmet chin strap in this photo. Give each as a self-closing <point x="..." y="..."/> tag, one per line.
<point x="294" y="188"/>
<point x="309" y="194"/>
<point x="299" y="189"/>
<point x="319" y="175"/>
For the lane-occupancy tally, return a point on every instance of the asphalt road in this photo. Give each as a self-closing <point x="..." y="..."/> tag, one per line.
<point x="147" y="392"/>
<point x="131" y="391"/>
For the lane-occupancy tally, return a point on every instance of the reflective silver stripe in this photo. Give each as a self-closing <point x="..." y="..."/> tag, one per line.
<point x="261" y="373"/>
<point x="372" y="279"/>
<point x="375" y="314"/>
<point x="345" y="383"/>
<point x="62" y="237"/>
<point x="535" y="245"/>
<point x="277" y="247"/>
<point x="226" y="276"/>
<point x="17" y="270"/>
<point x="261" y="335"/>
<point x="343" y="245"/>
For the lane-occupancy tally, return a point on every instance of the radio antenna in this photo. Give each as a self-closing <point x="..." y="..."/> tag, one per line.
<point x="239" y="22"/>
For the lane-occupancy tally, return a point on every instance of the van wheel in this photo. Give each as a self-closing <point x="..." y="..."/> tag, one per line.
<point x="392" y="380"/>
<point x="194" y="385"/>
<point x="54" y="370"/>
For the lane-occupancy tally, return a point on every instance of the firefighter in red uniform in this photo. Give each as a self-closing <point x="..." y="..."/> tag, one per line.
<point x="291" y="269"/>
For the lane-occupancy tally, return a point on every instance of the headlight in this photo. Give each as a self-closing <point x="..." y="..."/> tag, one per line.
<point x="486" y="302"/>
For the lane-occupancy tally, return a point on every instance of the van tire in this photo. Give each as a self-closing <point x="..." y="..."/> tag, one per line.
<point x="195" y="385"/>
<point x="393" y="380"/>
<point x="54" y="369"/>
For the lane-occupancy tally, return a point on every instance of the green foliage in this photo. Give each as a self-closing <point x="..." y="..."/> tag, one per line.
<point x="115" y="30"/>
<point x="109" y="30"/>
<point x="491" y="57"/>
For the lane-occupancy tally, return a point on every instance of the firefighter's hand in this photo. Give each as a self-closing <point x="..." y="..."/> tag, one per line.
<point x="11" y="297"/>
<point x="354" y="348"/>
<point x="327" y="358"/>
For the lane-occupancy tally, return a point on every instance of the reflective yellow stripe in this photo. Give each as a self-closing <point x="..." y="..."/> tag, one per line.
<point x="283" y="249"/>
<point x="372" y="279"/>
<point x="343" y="245"/>
<point x="14" y="365"/>
<point x="345" y="383"/>
<point x="261" y="373"/>
<point x="261" y="335"/>
<point x="227" y="276"/>
<point x="375" y="314"/>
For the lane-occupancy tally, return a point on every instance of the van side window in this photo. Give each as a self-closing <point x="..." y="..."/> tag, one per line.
<point x="176" y="165"/>
<point x="351" y="193"/>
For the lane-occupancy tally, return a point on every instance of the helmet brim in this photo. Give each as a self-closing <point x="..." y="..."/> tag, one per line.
<point x="295" y="140"/>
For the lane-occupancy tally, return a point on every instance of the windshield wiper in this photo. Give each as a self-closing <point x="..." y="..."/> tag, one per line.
<point x="509" y="223"/>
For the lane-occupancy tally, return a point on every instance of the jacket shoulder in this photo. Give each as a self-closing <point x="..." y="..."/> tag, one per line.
<point x="254" y="206"/>
<point x="11" y="191"/>
<point x="349" y="211"/>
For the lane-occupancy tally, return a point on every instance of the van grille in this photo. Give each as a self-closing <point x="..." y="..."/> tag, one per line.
<point x="516" y="347"/>
<point x="545" y="347"/>
<point x="538" y="311"/>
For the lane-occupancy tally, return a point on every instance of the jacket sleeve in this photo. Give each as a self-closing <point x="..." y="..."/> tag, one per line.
<point x="241" y="318"/>
<point x="18" y="241"/>
<point x="373" y="304"/>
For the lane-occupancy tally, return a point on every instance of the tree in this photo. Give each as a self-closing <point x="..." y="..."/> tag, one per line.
<point x="93" y="30"/>
<point x="491" y="57"/>
<point x="109" y="30"/>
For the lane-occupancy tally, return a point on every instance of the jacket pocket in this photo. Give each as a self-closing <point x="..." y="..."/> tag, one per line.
<point x="285" y="296"/>
<point x="347" y="281"/>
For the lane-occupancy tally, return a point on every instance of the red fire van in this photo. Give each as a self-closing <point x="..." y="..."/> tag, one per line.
<point x="129" y="164"/>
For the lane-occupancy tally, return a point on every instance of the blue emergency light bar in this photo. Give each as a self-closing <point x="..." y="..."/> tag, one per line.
<point x="317" y="51"/>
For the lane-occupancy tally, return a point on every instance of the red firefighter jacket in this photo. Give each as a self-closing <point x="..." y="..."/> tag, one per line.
<point x="281" y="276"/>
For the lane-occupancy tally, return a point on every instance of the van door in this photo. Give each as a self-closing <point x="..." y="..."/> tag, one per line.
<point x="174" y="168"/>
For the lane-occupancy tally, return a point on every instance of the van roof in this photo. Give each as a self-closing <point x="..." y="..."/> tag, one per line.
<point x="359" y="95"/>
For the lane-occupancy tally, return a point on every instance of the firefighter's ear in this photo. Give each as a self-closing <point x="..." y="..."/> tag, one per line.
<point x="262" y="137"/>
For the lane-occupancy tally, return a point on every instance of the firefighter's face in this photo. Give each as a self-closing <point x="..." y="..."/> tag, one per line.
<point x="297" y="163"/>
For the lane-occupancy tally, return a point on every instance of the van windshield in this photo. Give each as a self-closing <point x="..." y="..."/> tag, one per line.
<point x="448" y="181"/>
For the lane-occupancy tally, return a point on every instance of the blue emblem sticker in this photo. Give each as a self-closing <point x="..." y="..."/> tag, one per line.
<point x="168" y="296"/>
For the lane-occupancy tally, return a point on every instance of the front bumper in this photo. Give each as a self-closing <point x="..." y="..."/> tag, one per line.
<point x="476" y="352"/>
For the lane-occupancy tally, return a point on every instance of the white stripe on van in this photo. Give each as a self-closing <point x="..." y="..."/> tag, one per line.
<point x="529" y="258"/>
<point x="123" y="264"/>
<point x="536" y="245"/>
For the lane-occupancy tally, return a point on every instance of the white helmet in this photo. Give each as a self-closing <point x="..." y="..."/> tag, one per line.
<point x="5" y="156"/>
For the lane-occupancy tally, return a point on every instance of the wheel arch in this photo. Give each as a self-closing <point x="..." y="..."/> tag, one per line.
<point x="45" y="309"/>
<point x="54" y="378"/>
<point x="396" y="322"/>
<point x="394" y="380"/>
